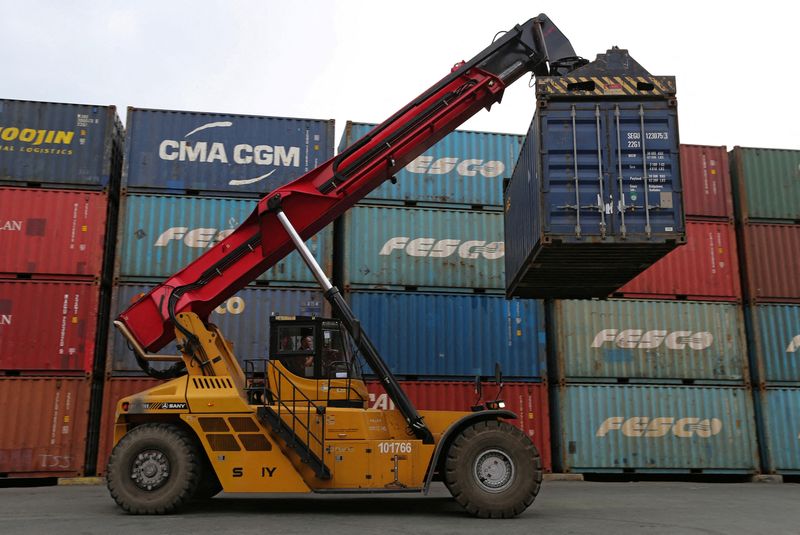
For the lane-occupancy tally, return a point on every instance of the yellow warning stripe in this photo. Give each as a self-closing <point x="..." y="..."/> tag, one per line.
<point x="604" y="85"/>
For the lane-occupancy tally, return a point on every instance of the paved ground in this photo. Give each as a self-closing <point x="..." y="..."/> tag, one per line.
<point x="562" y="507"/>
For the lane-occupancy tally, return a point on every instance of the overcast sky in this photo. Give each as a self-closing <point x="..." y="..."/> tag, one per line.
<point x="735" y="62"/>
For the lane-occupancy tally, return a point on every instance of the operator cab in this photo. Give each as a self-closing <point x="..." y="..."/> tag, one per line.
<point x="312" y="347"/>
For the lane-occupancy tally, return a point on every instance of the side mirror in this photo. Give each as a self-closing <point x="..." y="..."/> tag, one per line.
<point x="498" y="373"/>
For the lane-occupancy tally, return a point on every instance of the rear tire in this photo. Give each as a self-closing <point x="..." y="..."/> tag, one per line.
<point x="154" y="469"/>
<point x="493" y="470"/>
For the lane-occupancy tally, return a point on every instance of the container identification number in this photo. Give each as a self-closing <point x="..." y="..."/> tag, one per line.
<point x="394" y="447"/>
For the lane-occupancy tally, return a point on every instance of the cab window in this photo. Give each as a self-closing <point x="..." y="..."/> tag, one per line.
<point x="296" y="349"/>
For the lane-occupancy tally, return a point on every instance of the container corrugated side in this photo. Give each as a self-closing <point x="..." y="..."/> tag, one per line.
<point x="438" y="334"/>
<point x="667" y="429"/>
<point x="781" y="429"/>
<point x="43" y="428"/>
<point x="650" y="340"/>
<point x="465" y="168"/>
<point x="575" y="218"/>
<point x="706" y="182"/>
<point x="706" y="268"/>
<point x="770" y="262"/>
<point x="527" y="400"/>
<point x="183" y="152"/>
<point x="243" y="319"/>
<point x="392" y="247"/>
<point x="766" y="184"/>
<point x="775" y="339"/>
<point x="52" y="233"/>
<point x="114" y="389"/>
<point x="48" y="327"/>
<point x="54" y="144"/>
<point x="160" y="234"/>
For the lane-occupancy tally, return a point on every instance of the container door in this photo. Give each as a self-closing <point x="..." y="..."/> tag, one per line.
<point x="645" y="169"/>
<point x="578" y="183"/>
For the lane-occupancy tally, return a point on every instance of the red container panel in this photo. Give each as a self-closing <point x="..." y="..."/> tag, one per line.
<point x="705" y="269"/>
<point x="706" y="182"/>
<point x="53" y="233"/>
<point x="771" y="264"/>
<point x="527" y="400"/>
<point x="114" y="390"/>
<point x="48" y="327"/>
<point x="43" y="426"/>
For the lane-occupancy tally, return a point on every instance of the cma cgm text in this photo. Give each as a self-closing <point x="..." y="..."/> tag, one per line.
<point x="216" y="152"/>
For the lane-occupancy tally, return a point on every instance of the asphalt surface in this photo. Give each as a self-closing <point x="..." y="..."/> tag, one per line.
<point x="562" y="507"/>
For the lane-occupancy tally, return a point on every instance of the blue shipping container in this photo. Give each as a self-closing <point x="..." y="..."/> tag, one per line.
<point x="160" y="234"/>
<point x="67" y="145"/>
<point x="669" y="429"/>
<point x="775" y="338"/>
<point x="243" y="319"/>
<point x="465" y="168"/>
<point x="181" y="151"/>
<point x="781" y="429"/>
<point x="595" y="197"/>
<point x="395" y="247"/>
<point x="452" y="335"/>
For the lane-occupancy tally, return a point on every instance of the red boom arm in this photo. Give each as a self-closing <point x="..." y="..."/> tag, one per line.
<point x="317" y="198"/>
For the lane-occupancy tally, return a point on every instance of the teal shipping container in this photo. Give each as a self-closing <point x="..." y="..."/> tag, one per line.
<point x="656" y="429"/>
<point x="160" y="234"/>
<point x="775" y="338"/>
<point x="667" y="341"/>
<point x="465" y="168"/>
<point x="397" y="248"/>
<point x="780" y="425"/>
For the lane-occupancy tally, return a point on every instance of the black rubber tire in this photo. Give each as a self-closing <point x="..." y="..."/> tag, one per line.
<point x="208" y="486"/>
<point x="511" y="497"/>
<point x="183" y="469"/>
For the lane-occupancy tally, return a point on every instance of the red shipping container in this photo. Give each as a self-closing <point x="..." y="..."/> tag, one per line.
<point x="705" y="269"/>
<point x="771" y="264"/>
<point x="527" y="400"/>
<point x="706" y="182"/>
<point x="114" y="390"/>
<point x="43" y="427"/>
<point x="52" y="233"/>
<point x="48" y="327"/>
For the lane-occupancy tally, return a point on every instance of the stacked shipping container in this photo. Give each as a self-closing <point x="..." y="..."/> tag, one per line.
<point x="59" y="181"/>
<point x="189" y="179"/>
<point x="421" y="262"/>
<point x="765" y="186"/>
<point x="653" y="384"/>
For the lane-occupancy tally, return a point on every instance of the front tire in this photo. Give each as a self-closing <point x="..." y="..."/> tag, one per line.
<point x="493" y="470"/>
<point x="154" y="469"/>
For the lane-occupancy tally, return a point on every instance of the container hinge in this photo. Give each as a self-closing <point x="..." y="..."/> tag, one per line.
<point x="575" y="162"/>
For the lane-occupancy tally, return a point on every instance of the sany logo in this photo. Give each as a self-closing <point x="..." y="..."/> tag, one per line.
<point x="442" y="166"/>
<point x="794" y="345"/>
<point x="198" y="237"/>
<point x="642" y="426"/>
<point x="433" y="248"/>
<point x="243" y="154"/>
<point x="640" y="339"/>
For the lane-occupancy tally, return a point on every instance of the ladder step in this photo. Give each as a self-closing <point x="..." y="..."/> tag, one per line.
<point x="284" y="431"/>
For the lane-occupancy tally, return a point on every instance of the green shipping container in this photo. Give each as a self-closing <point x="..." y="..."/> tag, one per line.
<point x="766" y="184"/>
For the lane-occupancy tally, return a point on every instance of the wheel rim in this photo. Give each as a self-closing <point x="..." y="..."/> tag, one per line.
<point x="150" y="469"/>
<point x="494" y="470"/>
